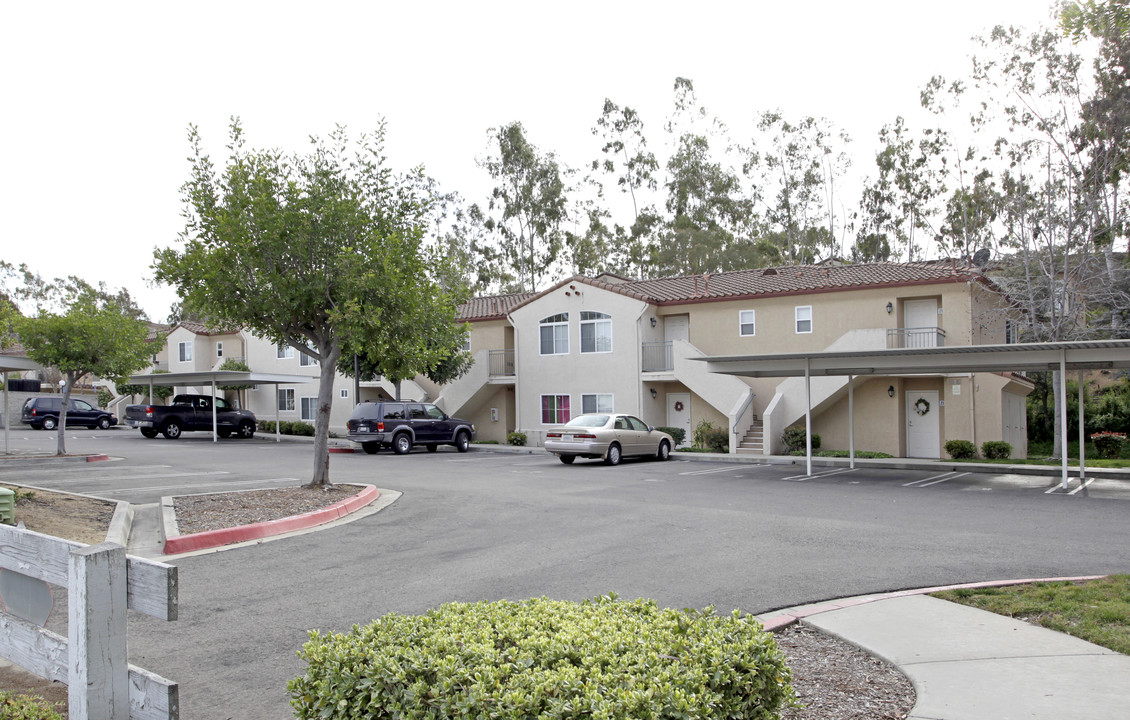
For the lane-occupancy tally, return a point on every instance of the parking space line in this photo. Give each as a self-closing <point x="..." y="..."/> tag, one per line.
<point x="945" y="479"/>
<point x="145" y="477"/>
<point x="728" y="468"/>
<point x="192" y="488"/>
<point x="802" y="478"/>
<point x="1081" y="486"/>
<point x="938" y="478"/>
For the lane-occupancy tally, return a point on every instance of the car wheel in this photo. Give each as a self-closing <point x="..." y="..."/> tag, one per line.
<point x="223" y="432"/>
<point x="171" y="431"/>
<point x="149" y="433"/>
<point x="664" y="450"/>
<point x="402" y="444"/>
<point x="371" y="448"/>
<point x="50" y="423"/>
<point x="103" y="423"/>
<point x="246" y="430"/>
<point x="432" y="447"/>
<point x="613" y="456"/>
<point x="462" y="441"/>
<point x="567" y="459"/>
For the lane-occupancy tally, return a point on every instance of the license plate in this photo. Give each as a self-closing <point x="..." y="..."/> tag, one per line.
<point x="567" y="438"/>
<point x="362" y="428"/>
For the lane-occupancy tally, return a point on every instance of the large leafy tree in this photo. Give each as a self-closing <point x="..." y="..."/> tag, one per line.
<point x="322" y="251"/>
<point x="81" y="330"/>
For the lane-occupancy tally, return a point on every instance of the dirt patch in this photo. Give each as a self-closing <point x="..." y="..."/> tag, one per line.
<point x="199" y="513"/>
<point x="71" y="517"/>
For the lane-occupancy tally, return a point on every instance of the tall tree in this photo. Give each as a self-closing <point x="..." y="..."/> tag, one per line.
<point x="527" y="209"/>
<point x="81" y="330"/>
<point x="320" y="251"/>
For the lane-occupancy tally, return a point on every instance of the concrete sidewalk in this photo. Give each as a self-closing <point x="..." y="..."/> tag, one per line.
<point x="968" y="664"/>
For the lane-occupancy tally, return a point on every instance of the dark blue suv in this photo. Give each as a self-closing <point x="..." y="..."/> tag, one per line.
<point x="400" y="425"/>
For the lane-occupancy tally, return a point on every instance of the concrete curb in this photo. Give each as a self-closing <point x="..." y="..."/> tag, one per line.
<point x="120" y="524"/>
<point x="782" y="619"/>
<point x="10" y="461"/>
<point x="176" y="543"/>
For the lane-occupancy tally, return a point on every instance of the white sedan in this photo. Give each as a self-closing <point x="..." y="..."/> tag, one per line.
<point x="608" y="436"/>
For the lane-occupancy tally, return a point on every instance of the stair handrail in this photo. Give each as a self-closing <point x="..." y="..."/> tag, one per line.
<point x="736" y="419"/>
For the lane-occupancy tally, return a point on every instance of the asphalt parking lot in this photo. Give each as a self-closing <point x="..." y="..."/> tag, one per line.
<point x="487" y="525"/>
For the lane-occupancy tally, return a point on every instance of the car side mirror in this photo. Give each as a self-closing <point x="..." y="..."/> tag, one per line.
<point x="650" y="429"/>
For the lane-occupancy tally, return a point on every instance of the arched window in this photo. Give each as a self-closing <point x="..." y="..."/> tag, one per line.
<point x="554" y="332"/>
<point x="596" y="332"/>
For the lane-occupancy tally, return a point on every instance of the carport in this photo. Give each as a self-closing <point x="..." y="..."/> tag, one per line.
<point x="1021" y="357"/>
<point x="220" y="377"/>
<point x="10" y="363"/>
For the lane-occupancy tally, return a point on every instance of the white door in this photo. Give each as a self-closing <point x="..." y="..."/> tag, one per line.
<point x="923" y="424"/>
<point x="1014" y="423"/>
<point x="921" y="320"/>
<point x="677" y="327"/>
<point x="679" y="413"/>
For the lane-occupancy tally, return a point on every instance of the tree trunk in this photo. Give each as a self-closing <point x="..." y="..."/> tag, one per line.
<point x="328" y="360"/>
<point x="61" y="431"/>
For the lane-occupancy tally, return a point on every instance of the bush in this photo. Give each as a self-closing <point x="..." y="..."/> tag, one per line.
<point x="26" y="707"/>
<point x="1108" y="445"/>
<point x="547" y="659"/>
<point x="677" y="434"/>
<point x="707" y="437"/>
<point x="961" y="449"/>
<point x="287" y="427"/>
<point x="794" y="439"/>
<point x="105" y="397"/>
<point x="516" y="438"/>
<point x="996" y="450"/>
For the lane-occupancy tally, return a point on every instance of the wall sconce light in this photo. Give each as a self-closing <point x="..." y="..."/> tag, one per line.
<point x="891" y="391"/>
<point x="653" y="322"/>
<point x="890" y="308"/>
<point x="654" y="394"/>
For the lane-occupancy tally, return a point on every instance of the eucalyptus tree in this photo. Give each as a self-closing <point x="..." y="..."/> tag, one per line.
<point x="527" y="211"/>
<point x="320" y="251"/>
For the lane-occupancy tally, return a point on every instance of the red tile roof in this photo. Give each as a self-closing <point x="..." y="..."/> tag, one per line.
<point x="492" y="307"/>
<point x="202" y="329"/>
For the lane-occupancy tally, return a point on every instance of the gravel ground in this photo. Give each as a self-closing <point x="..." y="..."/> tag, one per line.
<point x="833" y="679"/>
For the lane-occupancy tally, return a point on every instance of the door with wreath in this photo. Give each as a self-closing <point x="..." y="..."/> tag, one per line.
<point x="923" y="424"/>
<point x="679" y="413"/>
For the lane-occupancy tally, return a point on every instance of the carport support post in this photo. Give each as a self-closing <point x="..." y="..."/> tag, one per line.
<point x="7" y="412"/>
<point x="1082" y="435"/>
<point x="851" y="421"/>
<point x="808" y="414"/>
<point x="1061" y="400"/>
<point x="278" y="435"/>
<point x="215" y="435"/>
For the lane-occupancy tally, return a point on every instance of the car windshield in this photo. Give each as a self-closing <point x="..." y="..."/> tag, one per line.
<point x="588" y="421"/>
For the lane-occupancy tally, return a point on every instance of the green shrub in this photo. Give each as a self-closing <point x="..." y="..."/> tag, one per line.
<point x="794" y="439"/>
<point x="266" y="426"/>
<point x="1108" y="445"/>
<point x="288" y="427"/>
<point x="677" y="434"/>
<point x="105" y="397"/>
<point x="486" y="442"/>
<point x="26" y="707"/>
<point x="516" y="438"/>
<point x="545" y="659"/>
<point x="304" y="429"/>
<point x="710" y="438"/>
<point x="996" y="450"/>
<point x="961" y="449"/>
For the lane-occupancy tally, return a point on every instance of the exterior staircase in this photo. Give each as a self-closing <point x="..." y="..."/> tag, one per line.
<point x="753" y="442"/>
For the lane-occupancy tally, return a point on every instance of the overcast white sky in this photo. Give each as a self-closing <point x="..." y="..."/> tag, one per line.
<point x="97" y="97"/>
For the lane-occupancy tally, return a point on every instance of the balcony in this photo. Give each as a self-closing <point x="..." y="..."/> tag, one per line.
<point x="921" y="337"/>
<point x="502" y="363"/>
<point x="658" y="357"/>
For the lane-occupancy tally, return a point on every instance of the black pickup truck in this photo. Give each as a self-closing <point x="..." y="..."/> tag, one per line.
<point x="190" y="412"/>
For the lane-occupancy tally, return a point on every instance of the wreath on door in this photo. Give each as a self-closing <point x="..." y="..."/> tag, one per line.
<point x="678" y="406"/>
<point x="921" y="406"/>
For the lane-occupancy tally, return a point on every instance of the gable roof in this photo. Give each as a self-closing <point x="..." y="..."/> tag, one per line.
<point x="741" y="284"/>
<point x="197" y="328"/>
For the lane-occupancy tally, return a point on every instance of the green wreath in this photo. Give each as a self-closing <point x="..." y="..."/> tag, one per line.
<point x="921" y="406"/>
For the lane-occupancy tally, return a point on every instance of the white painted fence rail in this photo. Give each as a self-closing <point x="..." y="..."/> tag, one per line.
<point x="102" y="582"/>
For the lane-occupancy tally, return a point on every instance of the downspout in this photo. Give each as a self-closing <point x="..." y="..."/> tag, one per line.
<point x="973" y="407"/>
<point x="1082" y="453"/>
<point x="517" y="377"/>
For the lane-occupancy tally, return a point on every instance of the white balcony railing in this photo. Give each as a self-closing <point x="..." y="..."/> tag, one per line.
<point x="658" y="356"/>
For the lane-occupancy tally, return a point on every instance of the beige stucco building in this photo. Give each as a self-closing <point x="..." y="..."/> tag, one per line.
<point x="607" y="343"/>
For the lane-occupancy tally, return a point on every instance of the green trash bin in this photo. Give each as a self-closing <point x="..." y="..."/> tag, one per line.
<point x="7" y="506"/>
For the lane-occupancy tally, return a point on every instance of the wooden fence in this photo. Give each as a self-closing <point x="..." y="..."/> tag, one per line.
<point x="102" y="582"/>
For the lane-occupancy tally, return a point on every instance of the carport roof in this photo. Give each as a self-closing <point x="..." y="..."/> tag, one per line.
<point x="224" y="377"/>
<point x="1029" y="357"/>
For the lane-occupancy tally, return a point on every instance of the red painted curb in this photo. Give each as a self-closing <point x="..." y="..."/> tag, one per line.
<point x="97" y="458"/>
<point x="785" y="619"/>
<point x="227" y="536"/>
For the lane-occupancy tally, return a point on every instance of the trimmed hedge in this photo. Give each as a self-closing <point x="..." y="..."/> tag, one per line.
<point x="542" y="658"/>
<point x="677" y="434"/>
<point x="795" y="439"/>
<point x="961" y="449"/>
<point x="996" y="450"/>
<point x="288" y="427"/>
<point x="516" y="438"/>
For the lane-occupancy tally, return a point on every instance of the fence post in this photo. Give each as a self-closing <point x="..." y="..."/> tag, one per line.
<point x="98" y="684"/>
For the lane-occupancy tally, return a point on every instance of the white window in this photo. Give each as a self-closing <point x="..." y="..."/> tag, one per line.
<point x="467" y="344"/>
<point x="309" y="408"/>
<point x="747" y="323"/>
<point x="284" y="351"/>
<point x="1009" y="332"/>
<point x="804" y="319"/>
<point x="286" y="399"/>
<point x="184" y="351"/>
<point x="555" y="334"/>
<point x="344" y="394"/>
<point x="305" y="360"/>
<point x="596" y="332"/>
<point x="219" y="349"/>
<point x="555" y="409"/>
<point x="597" y="403"/>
